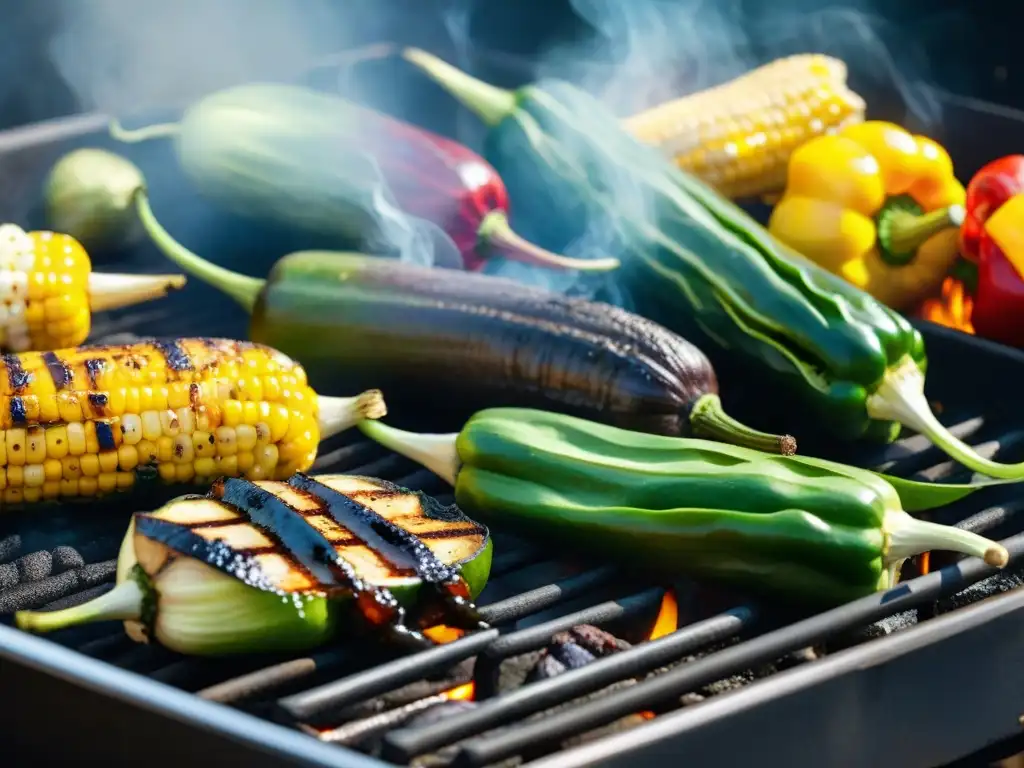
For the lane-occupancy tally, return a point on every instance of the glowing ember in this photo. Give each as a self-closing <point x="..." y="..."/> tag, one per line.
<point x="464" y="692"/>
<point x="952" y="308"/>
<point x="442" y="634"/>
<point x="923" y="562"/>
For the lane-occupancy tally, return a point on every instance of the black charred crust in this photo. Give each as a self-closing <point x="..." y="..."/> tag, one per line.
<point x="94" y="367"/>
<point x="59" y="370"/>
<point x="19" y="416"/>
<point x="175" y="357"/>
<point x="17" y="377"/>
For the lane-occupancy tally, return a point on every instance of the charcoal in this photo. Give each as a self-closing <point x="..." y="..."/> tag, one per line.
<point x="35" y="594"/>
<point x="97" y="573"/>
<point x="571" y="655"/>
<point x="66" y="558"/>
<point x="597" y="641"/>
<point x="440" y="712"/>
<point x="545" y="668"/>
<point x="8" y="576"/>
<point x="10" y="548"/>
<point x="689" y="699"/>
<point x="34" y="566"/>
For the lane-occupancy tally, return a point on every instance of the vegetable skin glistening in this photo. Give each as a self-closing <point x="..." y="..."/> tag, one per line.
<point x="289" y="566"/>
<point x="703" y="267"/>
<point x="792" y="527"/>
<point x="473" y="341"/>
<point x="82" y="422"/>
<point x="323" y="164"/>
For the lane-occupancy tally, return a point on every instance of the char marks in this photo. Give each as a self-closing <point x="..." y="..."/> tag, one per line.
<point x="94" y="368"/>
<point x="177" y="359"/>
<point x="17" y="377"/>
<point x="60" y="371"/>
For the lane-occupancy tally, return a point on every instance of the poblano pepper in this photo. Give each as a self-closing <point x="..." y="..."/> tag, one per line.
<point x="795" y="527"/>
<point x="700" y="265"/>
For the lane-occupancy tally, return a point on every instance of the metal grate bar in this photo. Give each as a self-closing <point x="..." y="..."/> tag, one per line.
<point x="542" y="733"/>
<point x="403" y="745"/>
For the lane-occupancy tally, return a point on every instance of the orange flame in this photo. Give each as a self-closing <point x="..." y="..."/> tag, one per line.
<point x="952" y="308"/>
<point x="464" y="692"/>
<point x="665" y="623"/>
<point x="442" y="634"/>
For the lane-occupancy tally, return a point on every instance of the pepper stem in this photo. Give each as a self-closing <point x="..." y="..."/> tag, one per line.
<point x="900" y="397"/>
<point x="908" y="536"/>
<point x="119" y="133"/>
<point x="336" y="414"/>
<point x="113" y="291"/>
<point x="435" y="452"/>
<point x="490" y="103"/>
<point x="242" y="288"/>
<point x="709" y="420"/>
<point x="903" y="227"/>
<point x="496" y="232"/>
<point x="124" y="602"/>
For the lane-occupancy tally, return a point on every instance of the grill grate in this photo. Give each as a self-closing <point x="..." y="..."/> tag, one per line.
<point x="325" y="693"/>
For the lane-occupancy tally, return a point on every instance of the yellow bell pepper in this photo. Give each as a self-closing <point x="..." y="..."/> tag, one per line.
<point x="877" y="206"/>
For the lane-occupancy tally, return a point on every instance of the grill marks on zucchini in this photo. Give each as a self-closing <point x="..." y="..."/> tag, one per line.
<point x="334" y="536"/>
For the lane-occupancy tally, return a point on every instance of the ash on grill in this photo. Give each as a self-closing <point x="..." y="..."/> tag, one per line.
<point x="573" y="652"/>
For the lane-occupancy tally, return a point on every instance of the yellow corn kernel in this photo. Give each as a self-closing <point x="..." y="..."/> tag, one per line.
<point x="739" y="135"/>
<point x="169" y="423"/>
<point x="13" y="495"/>
<point x="165" y="449"/>
<point x="151" y="427"/>
<point x="76" y="438"/>
<point x="56" y="441"/>
<point x="178" y="395"/>
<point x="132" y="401"/>
<point x="131" y="428"/>
<point x="183" y="451"/>
<point x="51" y="489"/>
<point x="148" y="452"/>
<point x="186" y="420"/>
<point x="271" y="388"/>
<point x="116" y="399"/>
<point x="256" y="472"/>
<point x="263" y="433"/>
<point x="266" y="456"/>
<point x="34" y="475"/>
<point x="245" y="437"/>
<point x="250" y="412"/>
<point x="71" y="467"/>
<point x="227" y="466"/>
<point x="225" y="437"/>
<point x="244" y="461"/>
<point x="278" y="422"/>
<point x="92" y="445"/>
<point x="90" y="464"/>
<point x="127" y="457"/>
<point x="166" y="472"/>
<point x="3" y="448"/>
<point x="203" y="444"/>
<point x="231" y="413"/>
<point x="69" y="488"/>
<point x="35" y="445"/>
<point x="205" y="467"/>
<point x="31" y="494"/>
<point x="3" y="478"/>
<point x="16" y="439"/>
<point x="87" y="486"/>
<point x="53" y="469"/>
<point x="107" y="461"/>
<point x="125" y="480"/>
<point x="183" y="473"/>
<point x="106" y="482"/>
<point x="69" y="407"/>
<point x="15" y="477"/>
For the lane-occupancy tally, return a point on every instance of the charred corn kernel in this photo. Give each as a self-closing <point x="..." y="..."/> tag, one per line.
<point x="151" y="427"/>
<point x="35" y="445"/>
<point x="71" y="467"/>
<point x="127" y="457"/>
<point x="148" y="452"/>
<point x="183" y="452"/>
<point x="263" y="433"/>
<point x="205" y="467"/>
<point x="34" y="475"/>
<point x="53" y="469"/>
<point x="51" y="489"/>
<point x="76" y="438"/>
<point x="87" y="486"/>
<point x="108" y="461"/>
<point x="169" y="423"/>
<point x="131" y="429"/>
<point x="738" y="136"/>
<point x="15" y="440"/>
<point x="245" y="437"/>
<point x="15" y="477"/>
<point x="90" y="464"/>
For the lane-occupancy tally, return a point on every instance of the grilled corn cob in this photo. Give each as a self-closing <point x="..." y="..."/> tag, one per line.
<point x="738" y="136"/>
<point x="48" y="290"/>
<point x="246" y="568"/>
<point x="90" y="420"/>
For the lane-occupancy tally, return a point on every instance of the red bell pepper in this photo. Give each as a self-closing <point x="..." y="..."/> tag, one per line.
<point x="992" y="237"/>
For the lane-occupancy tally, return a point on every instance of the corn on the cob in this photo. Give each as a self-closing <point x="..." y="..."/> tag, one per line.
<point x="87" y="421"/>
<point x="48" y="290"/>
<point x="738" y="136"/>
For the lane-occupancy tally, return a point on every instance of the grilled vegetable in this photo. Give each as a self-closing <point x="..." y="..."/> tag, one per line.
<point x="287" y="566"/>
<point x="91" y="420"/>
<point x="794" y="527"/>
<point x="738" y="136"/>
<point x="703" y="267"/>
<point x="993" y="241"/>
<point x="48" y="290"/>
<point x="876" y="206"/>
<point x="318" y="162"/>
<point x="477" y="340"/>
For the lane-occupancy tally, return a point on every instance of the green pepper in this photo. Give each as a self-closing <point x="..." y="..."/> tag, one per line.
<point x="793" y="527"/>
<point x="700" y="265"/>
